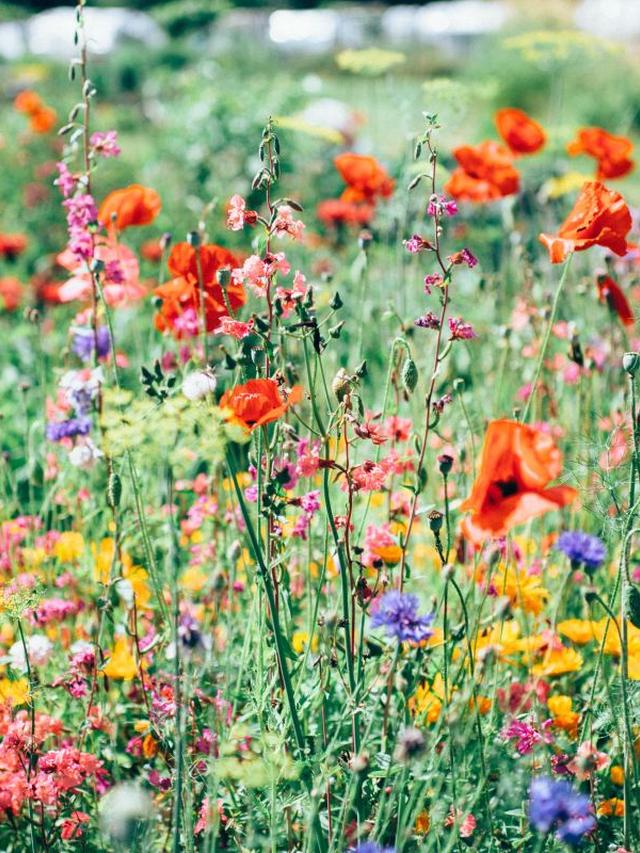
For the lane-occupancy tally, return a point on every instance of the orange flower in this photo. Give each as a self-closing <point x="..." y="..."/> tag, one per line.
<point x="10" y="293"/>
<point x="12" y="245"/>
<point x="258" y="402"/>
<point x="518" y="463"/>
<point x="27" y="102"/>
<point x="611" y="152"/>
<point x="611" y="293"/>
<point x="522" y="134"/>
<point x="132" y="205"/>
<point x="43" y="120"/>
<point x="366" y="179"/>
<point x="600" y="217"/>
<point x="180" y="311"/>
<point x="486" y="172"/>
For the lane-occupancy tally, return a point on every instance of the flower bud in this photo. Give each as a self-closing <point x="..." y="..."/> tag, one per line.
<point x="199" y="384"/>
<point x="341" y="384"/>
<point x="409" y="375"/>
<point x="445" y="463"/>
<point x="435" y="521"/>
<point x="631" y="362"/>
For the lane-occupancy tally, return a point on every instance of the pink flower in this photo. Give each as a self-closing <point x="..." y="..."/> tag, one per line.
<point x="461" y="331"/>
<point x="284" y="224"/>
<point x="587" y="761"/>
<point x="441" y="206"/>
<point x="237" y="214"/>
<point x="236" y="328"/>
<point x="368" y="477"/>
<point x="467" y="823"/>
<point x="432" y="280"/>
<point x="428" y="321"/>
<point x="526" y="735"/>
<point x="106" y="143"/>
<point x="121" y="282"/>
<point x="65" y="180"/>
<point x="416" y="243"/>
<point x="464" y="256"/>
<point x="308" y="458"/>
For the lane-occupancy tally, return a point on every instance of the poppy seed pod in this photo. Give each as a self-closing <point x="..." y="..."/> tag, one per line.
<point x="435" y="521"/>
<point x="631" y="362"/>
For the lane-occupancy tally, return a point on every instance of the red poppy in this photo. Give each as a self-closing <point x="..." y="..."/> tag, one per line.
<point x="258" y="402"/>
<point x="180" y="310"/>
<point x="10" y="293"/>
<point x="612" y="152"/>
<point x="518" y="463"/>
<point x="12" y="245"/>
<point x="486" y="172"/>
<point x="334" y="212"/>
<point x="151" y="250"/>
<point x="599" y="217"/>
<point x="611" y="293"/>
<point x="43" y="120"/>
<point x="132" y="205"/>
<point x="522" y="134"/>
<point x="366" y="179"/>
<point x="27" y="102"/>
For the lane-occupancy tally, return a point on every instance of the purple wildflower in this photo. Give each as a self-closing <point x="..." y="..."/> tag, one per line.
<point x="372" y="847"/>
<point x="438" y="405"/>
<point x="464" y="256"/>
<point x="84" y="341"/>
<point x="582" y="549"/>
<point x="526" y="735"/>
<point x="398" y="613"/>
<point x="554" y="804"/>
<point x="433" y="280"/>
<point x="310" y="502"/>
<point x="441" y="206"/>
<point x="106" y="143"/>
<point x="57" y="430"/>
<point x="65" y="180"/>
<point x="428" y="321"/>
<point x="461" y="331"/>
<point x="81" y="210"/>
<point x="416" y="243"/>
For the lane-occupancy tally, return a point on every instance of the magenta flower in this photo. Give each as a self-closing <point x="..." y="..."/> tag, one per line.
<point x="461" y="331"/>
<point x="416" y="243"/>
<point x="106" y="143"/>
<point x="428" y="321"/>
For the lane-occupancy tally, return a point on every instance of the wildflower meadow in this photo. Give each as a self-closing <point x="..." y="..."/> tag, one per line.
<point x="320" y="471"/>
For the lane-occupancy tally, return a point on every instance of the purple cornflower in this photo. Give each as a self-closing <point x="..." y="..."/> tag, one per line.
<point x="433" y="280"/>
<point x="554" y="804"/>
<point x="582" y="549"/>
<point x="416" y="243"/>
<point x="428" y="321"/>
<point x="65" y="180"/>
<point x="372" y="847"/>
<point x="84" y="340"/>
<point x="106" y="143"/>
<point x="441" y="206"/>
<point x="57" y="430"/>
<point x="461" y="331"/>
<point x="398" y="613"/>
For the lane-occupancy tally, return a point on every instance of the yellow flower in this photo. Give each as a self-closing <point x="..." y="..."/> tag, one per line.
<point x="522" y="590"/>
<point x="579" y="631"/>
<point x="193" y="579"/>
<point x="558" y="662"/>
<point x="15" y="692"/>
<point x="369" y="61"/>
<point x="611" y="808"/>
<point x="69" y="546"/>
<point x="121" y="664"/>
<point x="33" y="557"/>
<point x="565" y="184"/>
<point x="427" y="700"/>
<point x="617" y="774"/>
<point x="483" y="703"/>
<point x="564" y="717"/>
<point x="136" y="575"/>
<point x="300" y="640"/>
<point x="503" y="639"/>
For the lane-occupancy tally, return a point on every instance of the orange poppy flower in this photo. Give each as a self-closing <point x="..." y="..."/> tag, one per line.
<point x="12" y="245"/>
<point x="518" y="463"/>
<point x="132" y="205"/>
<point x="599" y="217"/>
<point x="612" y="152"/>
<point x="611" y="293"/>
<point x="27" y="102"/>
<point x="486" y="172"/>
<point x="522" y="134"/>
<point x="366" y="179"/>
<point x="180" y="310"/>
<point x="10" y="293"/>
<point x="258" y="402"/>
<point x="43" y="120"/>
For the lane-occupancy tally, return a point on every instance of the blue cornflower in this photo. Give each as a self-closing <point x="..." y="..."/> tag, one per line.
<point x="556" y="805"/>
<point x="84" y="340"/>
<point x="582" y="549"/>
<point x="372" y="847"/>
<point x="398" y="613"/>
<point x="57" y="430"/>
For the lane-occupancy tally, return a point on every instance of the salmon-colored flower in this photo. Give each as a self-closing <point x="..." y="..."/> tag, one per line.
<point x="600" y="217"/>
<point x="612" y="294"/>
<point x="180" y="310"/>
<point x="518" y="463"/>
<point x="522" y="134"/>
<point x="486" y="172"/>
<point x="43" y="120"/>
<point x="612" y="153"/>
<point x="121" y="283"/>
<point x="258" y="402"/>
<point x="132" y="205"/>
<point x="366" y="179"/>
<point x="10" y="293"/>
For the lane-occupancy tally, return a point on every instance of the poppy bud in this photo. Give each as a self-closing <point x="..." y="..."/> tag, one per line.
<point x="193" y="239"/>
<point x="365" y="238"/>
<point x="409" y="375"/>
<point x="631" y="362"/>
<point x="445" y="463"/>
<point x="435" y="521"/>
<point x="223" y="276"/>
<point x="631" y="605"/>
<point x="336" y="303"/>
<point x="341" y="384"/>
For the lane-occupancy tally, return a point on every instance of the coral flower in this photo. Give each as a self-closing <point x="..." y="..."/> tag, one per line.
<point x="518" y="463"/>
<point x="12" y="245"/>
<point x="258" y="402"/>
<point x="366" y="179"/>
<point x="28" y="102"/>
<point x="612" y="152"/>
<point x="121" y="283"/>
<point x="486" y="172"/>
<point x="180" y="310"/>
<point x="600" y="217"/>
<point x="611" y="293"/>
<point x="334" y="212"/>
<point x="132" y="205"/>
<point x="522" y="134"/>
<point x="10" y="293"/>
<point x="43" y="120"/>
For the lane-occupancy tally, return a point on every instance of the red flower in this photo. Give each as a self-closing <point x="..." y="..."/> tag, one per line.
<point x="366" y="179"/>
<point x="522" y="134"/>
<point x="600" y="217"/>
<point x="611" y="293"/>
<point x="10" y="293"/>
<point x="334" y="212"/>
<point x="518" y="463"/>
<point x="486" y="172"/>
<point x="180" y="310"/>
<point x="258" y="402"/>
<point x="72" y="826"/>
<point x="132" y="205"/>
<point x="612" y="152"/>
<point x="12" y="245"/>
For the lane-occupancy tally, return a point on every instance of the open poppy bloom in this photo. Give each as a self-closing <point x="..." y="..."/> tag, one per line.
<point x="485" y="173"/>
<point x="611" y="293"/>
<point x="257" y="402"/>
<point x="600" y="217"/>
<point x="180" y="310"/>
<point x="612" y="152"/>
<point x="132" y="205"/>
<point x="518" y="463"/>
<point x="366" y="179"/>
<point x="522" y="134"/>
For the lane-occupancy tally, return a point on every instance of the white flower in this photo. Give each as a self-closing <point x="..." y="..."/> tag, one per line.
<point x="39" y="649"/>
<point x="125" y="591"/>
<point x="123" y="809"/>
<point x="84" y="455"/>
<point x="198" y="384"/>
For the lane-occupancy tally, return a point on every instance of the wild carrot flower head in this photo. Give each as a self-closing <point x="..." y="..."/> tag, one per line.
<point x="582" y="549"/>
<point x="556" y="805"/>
<point x="398" y="613"/>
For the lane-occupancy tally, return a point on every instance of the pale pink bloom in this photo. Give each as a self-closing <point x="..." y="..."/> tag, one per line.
<point x="121" y="278"/>
<point x="284" y="224"/>
<point x="587" y="761"/>
<point x="617" y="451"/>
<point x="467" y="823"/>
<point x="397" y="428"/>
<point x="236" y="213"/>
<point x="308" y="458"/>
<point x="288" y="296"/>
<point x="368" y="477"/>
<point x="236" y="328"/>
